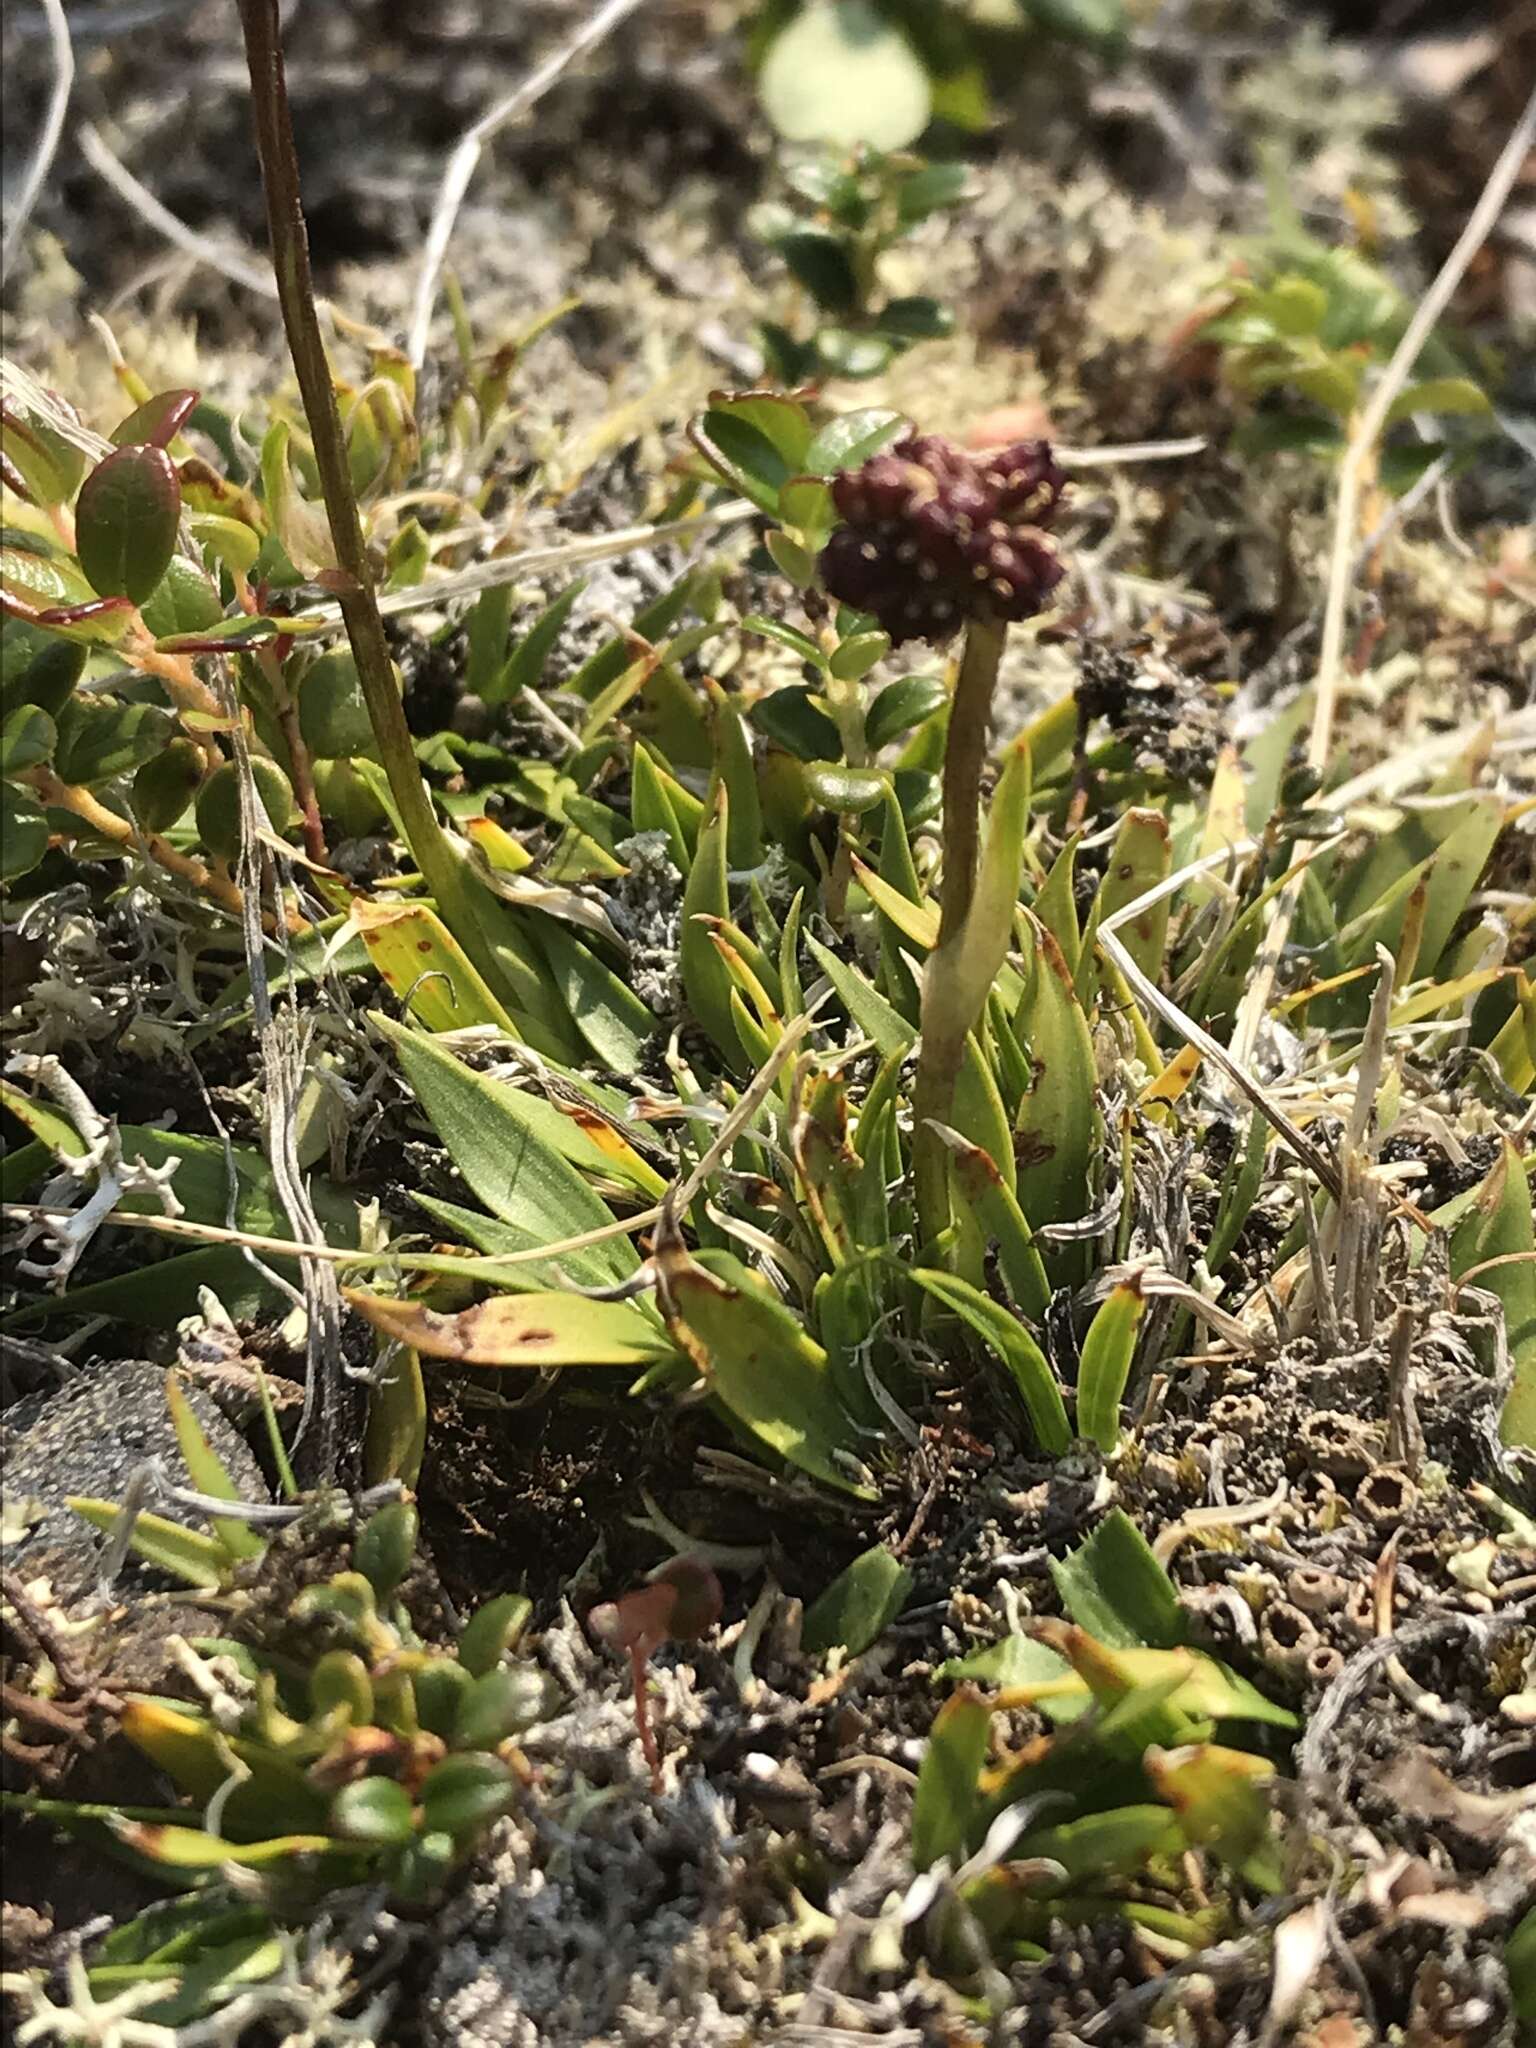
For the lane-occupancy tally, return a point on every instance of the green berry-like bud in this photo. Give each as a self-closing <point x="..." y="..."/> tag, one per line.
<point x="218" y="804"/>
<point x="332" y="714"/>
<point x="166" y="783"/>
<point x="385" y="1545"/>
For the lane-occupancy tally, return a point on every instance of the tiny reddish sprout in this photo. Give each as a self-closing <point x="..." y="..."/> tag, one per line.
<point x="934" y="536"/>
<point x="678" y="1605"/>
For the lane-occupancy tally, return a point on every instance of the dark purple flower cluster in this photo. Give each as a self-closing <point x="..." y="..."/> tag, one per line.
<point x="934" y="536"/>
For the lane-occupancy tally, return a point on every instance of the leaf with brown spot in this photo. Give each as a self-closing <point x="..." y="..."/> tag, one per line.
<point x="522" y="1329"/>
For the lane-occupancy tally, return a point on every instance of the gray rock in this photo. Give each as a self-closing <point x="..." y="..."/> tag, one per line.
<point x="90" y="1437"/>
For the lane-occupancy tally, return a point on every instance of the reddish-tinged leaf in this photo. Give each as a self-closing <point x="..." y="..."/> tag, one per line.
<point x="157" y="422"/>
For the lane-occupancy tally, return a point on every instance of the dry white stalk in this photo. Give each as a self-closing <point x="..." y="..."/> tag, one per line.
<point x="227" y="262"/>
<point x="1364" y="434"/>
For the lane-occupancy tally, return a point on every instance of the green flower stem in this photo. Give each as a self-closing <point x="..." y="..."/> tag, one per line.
<point x="429" y="844"/>
<point x="948" y="1016"/>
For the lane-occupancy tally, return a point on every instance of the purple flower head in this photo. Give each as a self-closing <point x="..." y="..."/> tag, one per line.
<point x="933" y="536"/>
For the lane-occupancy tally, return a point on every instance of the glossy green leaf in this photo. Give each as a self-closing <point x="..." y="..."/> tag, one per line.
<point x="47" y="461"/>
<point x="385" y="1546"/>
<point x="125" y="521"/>
<point x="791" y="718"/>
<point x="491" y="1631"/>
<point x="852" y="438"/>
<point x="502" y="1702"/>
<point x="183" y="601"/>
<point x="1439" y="395"/>
<point x="900" y="706"/>
<point x="465" y="1792"/>
<point x="26" y="738"/>
<point x="849" y="790"/>
<point x="374" y="1811"/>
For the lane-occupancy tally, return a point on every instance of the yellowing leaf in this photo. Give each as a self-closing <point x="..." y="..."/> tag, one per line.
<point x="521" y="1330"/>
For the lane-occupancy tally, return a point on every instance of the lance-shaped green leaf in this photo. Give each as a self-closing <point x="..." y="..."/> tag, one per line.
<point x="858" y="1606"/>
<point x="1114" y="1587"/>
<point x="396" y="1438"/>
<point x="761" y="1364"/>
<point x="1499" y="1227"/>
<point x="1057" y="1125"/>
<point x="1107" y="1352"/>
<point x="194" y="1849"/>
<point x="1520" y="1962"/>
<point x="706" y="980"/>
<point x="125" y="521"/>
<point x="1116" y="1843"/>
<point x="209" y="1473"/>
<point x="302" y="528"/>
<point x="195" y="1756"/>
<point x="1056" y="905"/>
<point x="870" y="1011"/>
<point x="734" y="767"/>
<point x="200" y="1560"/>
<point x="899" y="872"/>
<point x="522" y="1330"/>
<point x="947" y="1809"/>
<point x="524" y="668"/>
<point x="605" y="1009"/>
<point x="1026" y="1363"/>
<point x="962" y="975"/>
<point x="516" y="1151"/>
<point x="1139" y="859"/>
<point x="651" y="808"/>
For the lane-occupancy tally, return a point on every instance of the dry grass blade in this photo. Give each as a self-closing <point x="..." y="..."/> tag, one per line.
<point x="227" y="262"/>
<point x="1195" y="1034"/>
<point x="466" y="155"/>
<point x="531" y="562"/>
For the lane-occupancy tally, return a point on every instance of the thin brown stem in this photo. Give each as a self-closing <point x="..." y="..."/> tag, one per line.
<point x="298" y="755"/>
<point x="358" y="600"/>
